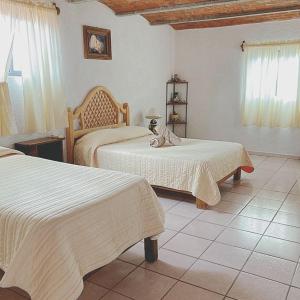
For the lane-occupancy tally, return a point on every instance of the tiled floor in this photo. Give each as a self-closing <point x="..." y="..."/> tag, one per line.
<point x="245" y="248"/>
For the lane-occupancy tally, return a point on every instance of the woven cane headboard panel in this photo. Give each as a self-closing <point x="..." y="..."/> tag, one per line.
<point x="98" y="110"/>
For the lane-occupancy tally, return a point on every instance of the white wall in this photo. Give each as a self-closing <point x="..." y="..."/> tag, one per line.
<point x="141" y="64"/>
<point x="210" y="59"/>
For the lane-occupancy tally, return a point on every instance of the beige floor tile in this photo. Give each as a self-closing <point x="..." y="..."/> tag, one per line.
<point x="165" y="236"/>
<point x="239" y="238"/>
<point x="135" y="255"/>
<point x="296" y="188"/>
<point x="250" y="287"/>
<point x="265" y="203"/>
<point x="284" y="232"/>
<point x="240" y="189"/>
<point x="187" y="244"/>
<point x="280" y="184"/>
<point x="292" y="198"/>
<point x="258" y="213"/>
<point x="296" y="279"/>
<point x="143" y="284"/>
<point x="270" y="267"/>
<point x="278" y="196"/>
<point x="292" y="208"/>
<point x="114" y="296"/>
<point x="167" y="203"/>
<point x="226" y="255"/>
<point x="203" y="229"/>
<point x="287" y="219"/>
<point x="92" y="291"/>
<point x="234" y="197"/>
<point x="186" y="209"/>
<point x="294" y="294"/>
<point x="111" y="274"/>
<point x="176" y="222"/>
<point x="249" y="224"/>
<point x="183" y="291"/>
<point x="210" y="276"/>
<point x="7" y="294"/>
<point x="228" y="207"/>
<point x="216" y="217"/>
<point x="170" y="263"/>
<point x="279" y="248"/>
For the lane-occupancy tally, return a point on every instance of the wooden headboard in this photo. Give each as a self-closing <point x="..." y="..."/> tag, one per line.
<point x="98" y="110"/>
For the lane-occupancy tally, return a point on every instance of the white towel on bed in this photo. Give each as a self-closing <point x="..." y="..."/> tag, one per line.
<point x="169" y="135"/>
<point x="157" y="141"/>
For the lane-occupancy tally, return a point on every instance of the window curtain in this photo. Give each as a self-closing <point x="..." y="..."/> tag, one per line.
<point x="37" y="53"/>
<point x="7" y="123"/>
<point x="271" y="86"/>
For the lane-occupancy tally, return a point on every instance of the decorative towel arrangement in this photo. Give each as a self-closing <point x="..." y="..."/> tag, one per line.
<point x="164" y="135"/>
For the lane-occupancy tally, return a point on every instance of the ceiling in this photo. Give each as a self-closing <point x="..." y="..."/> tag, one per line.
<point x="189" y="14"/>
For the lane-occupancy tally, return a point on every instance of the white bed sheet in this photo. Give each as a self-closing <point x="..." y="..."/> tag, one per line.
<point x="58" y="222"/>
<point x="194" y="166"/>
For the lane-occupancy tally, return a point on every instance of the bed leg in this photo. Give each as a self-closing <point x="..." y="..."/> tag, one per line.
<point x="151" y="250"/>
<point x="237" y="174"/>
<point x="200" y="204"/>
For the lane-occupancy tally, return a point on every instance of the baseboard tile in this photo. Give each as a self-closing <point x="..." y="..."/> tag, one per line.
<point x="274" y="154"/>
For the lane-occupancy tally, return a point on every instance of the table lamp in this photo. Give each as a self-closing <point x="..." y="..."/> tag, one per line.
<point x="153" y="121"/>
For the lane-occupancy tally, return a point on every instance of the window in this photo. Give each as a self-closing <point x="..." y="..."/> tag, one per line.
<point x="271" y="85"/>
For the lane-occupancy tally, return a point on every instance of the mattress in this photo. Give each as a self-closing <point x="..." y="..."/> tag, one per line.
<point x="194" y="166"/>
<point x="58" y="222"/>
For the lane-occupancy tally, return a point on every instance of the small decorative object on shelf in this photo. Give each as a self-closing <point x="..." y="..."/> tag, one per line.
<point x="177" y="95"/>
<point x="153" y="122"/>
<point x="174" y="117"/>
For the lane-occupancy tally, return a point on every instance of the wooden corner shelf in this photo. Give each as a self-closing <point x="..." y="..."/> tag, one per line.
<point x="178" y="122"/>
<point x="177" y="103"/>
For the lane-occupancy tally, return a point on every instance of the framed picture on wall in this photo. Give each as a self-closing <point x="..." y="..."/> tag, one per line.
<point x="96" y="43"/>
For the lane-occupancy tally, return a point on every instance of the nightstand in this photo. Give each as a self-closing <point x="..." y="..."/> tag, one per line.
<point x="48" y="147"/>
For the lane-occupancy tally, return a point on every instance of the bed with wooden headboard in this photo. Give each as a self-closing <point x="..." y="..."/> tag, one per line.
<point x="100" y="110"/>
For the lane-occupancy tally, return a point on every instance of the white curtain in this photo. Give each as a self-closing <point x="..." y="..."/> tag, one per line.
<point x="37" y="53"/>
<point x="7" y="123"/>
<point x="271" y="85"/>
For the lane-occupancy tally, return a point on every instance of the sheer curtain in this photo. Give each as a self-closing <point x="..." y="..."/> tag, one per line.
<point x="36" y="52"/>
<point x="7" y="123"/>
<point x="271" y="85"/>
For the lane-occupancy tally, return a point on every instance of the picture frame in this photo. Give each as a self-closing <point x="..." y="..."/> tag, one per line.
<point x="97" y="43"/>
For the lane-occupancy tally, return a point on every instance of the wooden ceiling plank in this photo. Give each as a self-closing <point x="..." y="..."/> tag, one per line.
<point x="237" y="21"/>
<point x="123" y="10"/>
<point x="230" y="9"/>
<point x="195" y="18"/>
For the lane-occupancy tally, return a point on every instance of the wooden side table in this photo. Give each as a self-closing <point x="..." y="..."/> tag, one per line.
<point x="48" y="148"/>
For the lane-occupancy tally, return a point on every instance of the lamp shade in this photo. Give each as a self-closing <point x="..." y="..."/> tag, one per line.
<point x="153" y="116"/>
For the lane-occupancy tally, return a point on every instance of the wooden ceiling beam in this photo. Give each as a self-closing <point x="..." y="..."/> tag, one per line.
<point x="125" y="7"/>
<point x="237" y="21"/>
<point x="194" y="16"/>
<point x="228" y="10"/>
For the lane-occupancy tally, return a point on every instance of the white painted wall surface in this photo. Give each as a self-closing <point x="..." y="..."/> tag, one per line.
<point x="141" y="62"/>
<point x="210" y="59"/>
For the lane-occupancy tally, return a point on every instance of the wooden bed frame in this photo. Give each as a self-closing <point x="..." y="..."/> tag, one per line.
<point x="101" y="110"/>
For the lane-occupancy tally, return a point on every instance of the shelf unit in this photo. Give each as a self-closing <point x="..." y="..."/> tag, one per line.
<point x="173" y="87"/>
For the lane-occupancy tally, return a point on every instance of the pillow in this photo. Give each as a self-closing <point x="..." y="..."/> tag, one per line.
<point x="7" y="151"/>
<point x="85" y="148"/>
<point x="113" y="135"/>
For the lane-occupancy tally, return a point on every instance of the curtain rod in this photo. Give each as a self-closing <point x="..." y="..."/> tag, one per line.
<point x="244" y="44"/>
<point x="41" y="4"/>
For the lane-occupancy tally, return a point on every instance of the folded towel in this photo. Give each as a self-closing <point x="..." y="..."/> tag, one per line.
<point x="157" y="141"/>
<point x="169" y="135"/>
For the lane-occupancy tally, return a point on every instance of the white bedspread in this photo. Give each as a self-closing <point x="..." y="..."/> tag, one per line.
<point x="195" y="165"/>
<point x="58" y="222"/>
